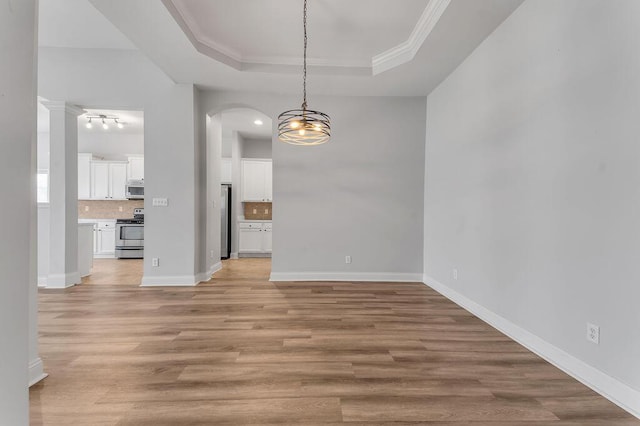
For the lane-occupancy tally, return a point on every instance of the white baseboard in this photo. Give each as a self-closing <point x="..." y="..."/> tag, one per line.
<point x="614" y="390"/>
<point x="206" y="276"/>
<point x="170" y="281"/>
<point x="346" y="276"/>
<point x="60" y="281"/>
<point x="233" y="256"/>
<point x="36" y="371"/>
<point x="42" y="281"/>
<point x="215" y="268"/>
<point x="104" y="256"/>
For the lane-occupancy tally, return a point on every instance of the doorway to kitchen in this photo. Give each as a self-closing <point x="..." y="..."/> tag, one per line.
<point x="110" y="194"/>
<point x="244" y="161"/>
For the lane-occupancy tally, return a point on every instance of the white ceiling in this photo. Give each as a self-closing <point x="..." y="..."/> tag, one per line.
<point x="241" y="120"/>
<point x="133" y="121"/>
<point x="76" y="23"/>
<point x="356" y="47"/>
<point x="342" y="34"/>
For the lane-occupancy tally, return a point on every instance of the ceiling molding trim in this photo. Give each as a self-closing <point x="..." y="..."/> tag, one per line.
<point x="230" y="57"/>
<point x="297" y="61"/>
<point x="62" y="106"/>
<point x="402" y="53"/>
<point x="206" y="47"/>
<point x="406" y="51"/>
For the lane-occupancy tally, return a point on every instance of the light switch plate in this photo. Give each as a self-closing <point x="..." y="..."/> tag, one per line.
<point x="160" y="202"/>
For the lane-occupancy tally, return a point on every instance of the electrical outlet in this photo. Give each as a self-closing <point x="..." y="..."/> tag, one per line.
<point x="155" y="262"/>
<point x="347" y="259"/>
<point x="86" y="208"/>
<point x="255" y="211"/>
<point x="160" y="202"/>
<point x="211" y="254"/>
<point x="593" y="333"/>
<point x="119" y="208"/>
<point x="266" y="211"/>
<point x="455" y="274"/>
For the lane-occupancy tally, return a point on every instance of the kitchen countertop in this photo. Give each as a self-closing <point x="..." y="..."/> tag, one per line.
<point x="93" y="221"/>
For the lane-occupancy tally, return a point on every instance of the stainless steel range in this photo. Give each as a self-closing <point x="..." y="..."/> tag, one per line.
<point x="130" y="236"/>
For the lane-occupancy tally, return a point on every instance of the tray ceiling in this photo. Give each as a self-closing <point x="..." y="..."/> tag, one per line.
<point x="357" y="47"/>
<point x="345" y="37"/>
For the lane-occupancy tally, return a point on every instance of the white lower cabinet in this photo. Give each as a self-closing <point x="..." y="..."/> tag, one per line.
<point x="104" y="241"/>
<point x="266" y="238"/>
<point x="255" y="237"/>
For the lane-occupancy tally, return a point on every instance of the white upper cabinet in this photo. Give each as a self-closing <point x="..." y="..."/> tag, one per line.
<point x="117" y="180"/>
<point x="257" y="180"/>
<point x="108" y="180"/>
<point x="135" y="167"/>
<point x="84" y="176"/>
<point x="100" y="180"/>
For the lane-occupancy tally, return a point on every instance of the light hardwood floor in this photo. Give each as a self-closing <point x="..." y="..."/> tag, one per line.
<point x="239" y="350"/>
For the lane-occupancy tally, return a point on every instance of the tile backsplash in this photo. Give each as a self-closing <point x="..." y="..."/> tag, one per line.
<point x="257" y="211"/>
<point x="107" y="209"/>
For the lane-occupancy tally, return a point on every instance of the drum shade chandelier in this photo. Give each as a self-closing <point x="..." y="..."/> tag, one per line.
<point x="304" y="126"/>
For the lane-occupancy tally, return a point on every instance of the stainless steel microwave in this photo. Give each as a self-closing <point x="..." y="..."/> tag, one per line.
<point x="135" y="189"/>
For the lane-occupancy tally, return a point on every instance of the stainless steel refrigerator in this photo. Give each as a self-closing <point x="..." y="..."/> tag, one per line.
<point x="225" y="217"/>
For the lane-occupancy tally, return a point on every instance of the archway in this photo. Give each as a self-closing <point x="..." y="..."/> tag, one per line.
<point x="239" y="184"/>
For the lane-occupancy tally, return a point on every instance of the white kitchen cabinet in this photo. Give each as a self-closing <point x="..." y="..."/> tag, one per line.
<point x="257" y="180"/>
<point x="84" y="176"/>
<point x="268" y="181"/>
<point x="266" y="238"/>
<point x="225" y="171"/>
<point x="99" y="180"/>
<point x="108" y="180"/>
<point x="105" y="239"/>
<point x="254" y="237"/>
<point x="135" y="167"/>
<point x="118" y="180"/>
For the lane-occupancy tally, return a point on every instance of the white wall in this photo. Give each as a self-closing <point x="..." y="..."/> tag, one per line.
<point x="17" y="177"/>
<point x="111" y="145"/>
<point x="43" y="157"/>
<point x="213" y="188"/>
<point x="360" y="195"/>
<point x="129" y="81"/>
<point x="257" y="148"/>
<point x="237" y="153"/>
<point x="533" y="181"/>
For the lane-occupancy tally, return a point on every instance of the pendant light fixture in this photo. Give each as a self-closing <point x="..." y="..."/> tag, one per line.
<point x="304" y="126"/>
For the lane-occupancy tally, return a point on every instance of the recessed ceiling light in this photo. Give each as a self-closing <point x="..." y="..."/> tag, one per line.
<point x="258" y="122"/>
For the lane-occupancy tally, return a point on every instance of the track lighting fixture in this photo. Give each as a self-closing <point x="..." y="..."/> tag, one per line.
<point x="105" y="119"/>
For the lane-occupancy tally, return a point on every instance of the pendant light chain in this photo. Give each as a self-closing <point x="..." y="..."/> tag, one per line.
<point x="304" y="68"/>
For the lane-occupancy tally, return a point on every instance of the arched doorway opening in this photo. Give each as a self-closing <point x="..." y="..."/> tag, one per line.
<point x="240" y="187"/>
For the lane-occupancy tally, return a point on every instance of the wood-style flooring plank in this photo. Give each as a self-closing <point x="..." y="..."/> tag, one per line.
<point x="240" y="350"/>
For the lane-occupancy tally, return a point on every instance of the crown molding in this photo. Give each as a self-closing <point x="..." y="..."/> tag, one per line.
<point x="62" y="106"/>
<point x="406" y="51"/>
<point x="398" y="55"/>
